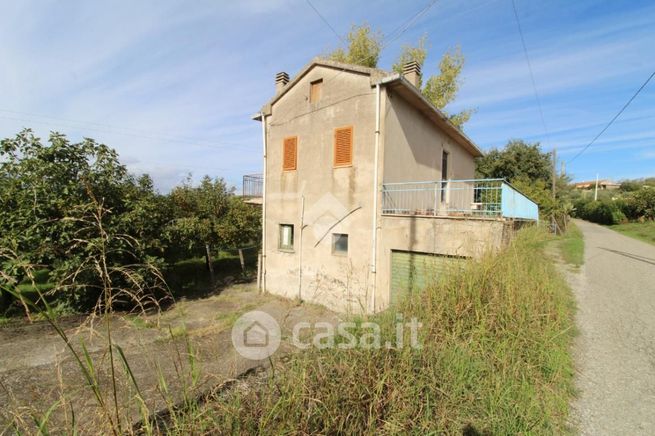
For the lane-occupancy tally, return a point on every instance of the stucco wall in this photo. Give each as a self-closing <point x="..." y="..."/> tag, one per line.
<point x="320" y="200"/>
<point x="448" y="236"/>
<point x="413" y="146"/>
<point x="339" y="197"/>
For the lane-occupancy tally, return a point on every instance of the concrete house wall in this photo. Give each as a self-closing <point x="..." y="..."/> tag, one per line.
<point x="412" y="150"/>
<point x="331" y="195"/>
<point x="320" y="200"/>
<point x="413" y="146"/>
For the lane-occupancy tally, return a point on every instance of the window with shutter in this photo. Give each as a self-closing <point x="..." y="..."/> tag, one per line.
<point x="343" y="147"/>
<point x="290" y="153"/>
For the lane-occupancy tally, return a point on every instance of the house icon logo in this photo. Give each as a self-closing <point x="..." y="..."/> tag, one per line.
<point x="256" y="335"/>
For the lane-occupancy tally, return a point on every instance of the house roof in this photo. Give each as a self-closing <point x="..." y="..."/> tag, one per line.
<point x="593" y="183"/>
<point x="393" y="81"/>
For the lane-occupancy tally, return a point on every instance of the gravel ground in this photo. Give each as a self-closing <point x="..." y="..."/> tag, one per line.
<point x="615" y="350"/>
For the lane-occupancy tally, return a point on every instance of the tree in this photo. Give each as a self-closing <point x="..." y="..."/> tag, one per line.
<point x="47" y="190"/>
<point x="529" y="170"/>
<point x="518" y="159"/>
<point x="440" y="89"/>
<point x="210" y="216"/>
<point x="364" y="46"/>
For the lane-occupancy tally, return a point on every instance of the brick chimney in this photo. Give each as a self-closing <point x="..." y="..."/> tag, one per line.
<point x="412" y="72"/>
<point x="281" y="79"/>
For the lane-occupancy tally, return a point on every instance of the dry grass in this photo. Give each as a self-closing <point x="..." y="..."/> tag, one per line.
<point x="495" y="359"/>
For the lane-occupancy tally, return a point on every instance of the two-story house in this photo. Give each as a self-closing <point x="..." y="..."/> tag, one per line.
<point x="369" y="190"/>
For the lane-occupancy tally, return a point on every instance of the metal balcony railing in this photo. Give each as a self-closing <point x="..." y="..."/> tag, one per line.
<point x="474" y="198"/>
<point x="252" y="185"/>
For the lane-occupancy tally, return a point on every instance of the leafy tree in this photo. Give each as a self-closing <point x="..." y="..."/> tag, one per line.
<point x="364" y="46"/>
<point x="417" y="53"/>
<point x="518" y="159"/>
<point x="440" y="89"/>
<point x="47" y="190"/>
<point x="209" y="217"/>
<point x="642" y="203"/>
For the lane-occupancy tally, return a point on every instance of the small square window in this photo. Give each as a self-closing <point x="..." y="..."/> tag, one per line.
<point x="286" y="237"/>
<point x="315" y="90"/>
<point x="339" y="243"/>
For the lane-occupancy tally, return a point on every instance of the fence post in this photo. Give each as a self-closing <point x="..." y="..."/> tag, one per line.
<point x="243" y="263"/>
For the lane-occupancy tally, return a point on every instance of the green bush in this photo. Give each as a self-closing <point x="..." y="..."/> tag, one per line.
<point x="604" y="211"/>
<point x="642" y="204"/>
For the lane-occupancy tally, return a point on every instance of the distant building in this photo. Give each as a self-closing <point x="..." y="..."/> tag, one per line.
<point x="602" y="184"/>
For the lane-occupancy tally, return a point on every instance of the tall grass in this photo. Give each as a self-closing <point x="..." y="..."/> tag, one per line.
<point x="494" y="359"/>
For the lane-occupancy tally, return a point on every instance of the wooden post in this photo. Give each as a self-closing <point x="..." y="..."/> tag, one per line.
<point x="243" y="262"/>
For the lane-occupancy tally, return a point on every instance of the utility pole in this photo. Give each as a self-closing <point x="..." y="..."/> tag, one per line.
<point x="554" y="170"/>
<point x="563" y="170"/>
<point x="596" y="190"/>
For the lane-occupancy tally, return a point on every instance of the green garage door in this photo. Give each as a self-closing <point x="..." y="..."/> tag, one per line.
<point x="412" y="272"/>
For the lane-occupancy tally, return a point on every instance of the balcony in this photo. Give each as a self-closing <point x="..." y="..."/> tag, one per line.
<point x="252" y="188"/>
<point x="475" y="198"/>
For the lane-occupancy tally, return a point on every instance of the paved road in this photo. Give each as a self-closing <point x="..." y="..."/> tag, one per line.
<point x="615" y="350"/>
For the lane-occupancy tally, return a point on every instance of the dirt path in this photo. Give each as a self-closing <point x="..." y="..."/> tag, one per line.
<point x="615" y="350"/>
<point x="36" y="370"/>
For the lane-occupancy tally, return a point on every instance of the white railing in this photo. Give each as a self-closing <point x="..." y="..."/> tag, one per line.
<point x="474" y="197"/>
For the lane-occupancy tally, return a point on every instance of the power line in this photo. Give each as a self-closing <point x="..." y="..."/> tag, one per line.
<point x="397" y="32"/>
<point x="625" y="106"/>
<point x="327" y="23"/>
<point x="534" y="83"/>
<point x="106" y="128"/>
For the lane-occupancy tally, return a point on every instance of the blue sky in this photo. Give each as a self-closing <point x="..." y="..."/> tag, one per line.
<point x="172" y="85"/>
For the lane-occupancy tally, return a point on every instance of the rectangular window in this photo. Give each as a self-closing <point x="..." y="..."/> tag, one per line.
<point x="290" y="154"/>
<point x="343" y="146"/>
<point x="444" y="175"/>
<point x="339" y="243"/>
<point x="286" y="237"/>
<point x="315" y="90"/>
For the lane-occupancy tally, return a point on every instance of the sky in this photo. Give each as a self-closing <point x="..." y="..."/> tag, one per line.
<point x="172" y="85"/>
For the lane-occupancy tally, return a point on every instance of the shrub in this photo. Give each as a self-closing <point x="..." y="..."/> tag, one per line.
<point x="605" y="212"/>
<point x="642" y="203"/>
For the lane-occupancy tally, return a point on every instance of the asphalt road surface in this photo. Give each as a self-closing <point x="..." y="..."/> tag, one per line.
<point x="615" y="348"/>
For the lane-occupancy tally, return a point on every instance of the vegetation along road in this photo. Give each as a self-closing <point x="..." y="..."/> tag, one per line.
<point x="615" y="350"/>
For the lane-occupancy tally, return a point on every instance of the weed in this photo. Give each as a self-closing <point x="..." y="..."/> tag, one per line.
<point x="571" y="246"/>
<point x="494" y="359"/>
<point x="643" y="231"/>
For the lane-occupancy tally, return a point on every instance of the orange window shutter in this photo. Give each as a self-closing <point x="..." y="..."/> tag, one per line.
<point x="290" y="153"/>
<point x="343" y="146"/>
